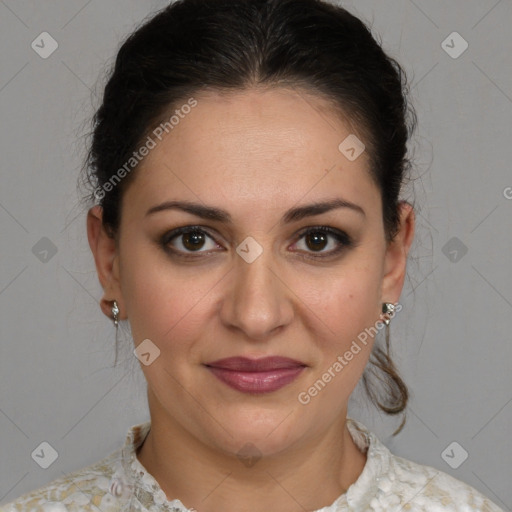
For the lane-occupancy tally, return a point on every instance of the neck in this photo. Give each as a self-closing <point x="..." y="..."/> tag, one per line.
<point x="307" y="476"/>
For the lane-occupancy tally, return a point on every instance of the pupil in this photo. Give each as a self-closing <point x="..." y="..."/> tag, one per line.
<point x="317" y="238"/>
<point x="193" y="240"/>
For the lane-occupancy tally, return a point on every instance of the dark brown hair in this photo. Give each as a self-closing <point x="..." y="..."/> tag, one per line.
<point x="222" y="45"/>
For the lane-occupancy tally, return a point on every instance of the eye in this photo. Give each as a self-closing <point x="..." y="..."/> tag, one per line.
<point x="316" y="239"/>
<point x="188" y="239"/>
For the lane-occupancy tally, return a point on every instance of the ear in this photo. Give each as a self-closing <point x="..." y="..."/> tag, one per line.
<point x="105" y="253"/>
<point x="396" y="255"/>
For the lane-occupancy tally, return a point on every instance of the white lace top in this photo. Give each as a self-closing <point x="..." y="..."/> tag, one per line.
<point x="119" y="482"/>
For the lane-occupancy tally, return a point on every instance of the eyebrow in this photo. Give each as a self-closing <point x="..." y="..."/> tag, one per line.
<point x="292" y="215"/>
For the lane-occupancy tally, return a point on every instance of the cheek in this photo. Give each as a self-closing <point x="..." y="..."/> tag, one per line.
<point x="346" y="299"/>
<point x="164" y="301"/>
<point x="347" y="312"/>
<point x="344" y="311"/>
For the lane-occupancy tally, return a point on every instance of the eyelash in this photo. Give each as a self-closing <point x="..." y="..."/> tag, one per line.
<point x="343" y="239"/>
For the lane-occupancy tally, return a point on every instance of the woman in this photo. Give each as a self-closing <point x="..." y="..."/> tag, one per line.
<point x="247" y="163"/>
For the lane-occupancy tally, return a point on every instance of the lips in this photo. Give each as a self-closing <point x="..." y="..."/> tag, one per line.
<point x="265" y="364"/>
<point x="256" y="376"/>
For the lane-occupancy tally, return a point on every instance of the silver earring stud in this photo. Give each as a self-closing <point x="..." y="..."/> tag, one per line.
<point x="388" y="308"/>
<point x="115" y="313"/>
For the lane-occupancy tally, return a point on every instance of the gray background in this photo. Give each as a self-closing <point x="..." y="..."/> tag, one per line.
<point x="452" y="341"/>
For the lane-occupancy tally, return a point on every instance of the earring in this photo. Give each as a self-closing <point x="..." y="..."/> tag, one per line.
<point x="388" y="308"/>
<point x="115" y="313"/>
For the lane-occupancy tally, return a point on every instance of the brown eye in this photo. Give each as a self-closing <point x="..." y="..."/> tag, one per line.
<point x="316" y="239"/>
<point x="193" y="240"/>
<point x="188" y="240"/>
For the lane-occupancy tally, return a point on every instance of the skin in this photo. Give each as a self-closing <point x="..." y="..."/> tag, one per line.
<point x="254" y="153"/>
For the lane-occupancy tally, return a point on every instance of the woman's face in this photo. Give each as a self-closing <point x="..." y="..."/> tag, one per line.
<point x="254" y="285"/>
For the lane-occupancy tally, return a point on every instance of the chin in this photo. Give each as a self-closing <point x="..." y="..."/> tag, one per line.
<point x="266" y="432"/>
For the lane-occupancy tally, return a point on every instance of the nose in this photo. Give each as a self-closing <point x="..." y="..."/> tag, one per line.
<point x="258" y="301"/>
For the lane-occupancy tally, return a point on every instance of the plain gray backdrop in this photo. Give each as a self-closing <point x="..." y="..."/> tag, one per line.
<point x="451" y="341"/>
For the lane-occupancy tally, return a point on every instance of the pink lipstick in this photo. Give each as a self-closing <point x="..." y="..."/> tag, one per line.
<point x="262" y="375"/>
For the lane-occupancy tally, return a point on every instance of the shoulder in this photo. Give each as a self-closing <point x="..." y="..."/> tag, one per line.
<point x="423" y="487"/>
<point x="390" y="482"/>
<point x="87" y="489"/>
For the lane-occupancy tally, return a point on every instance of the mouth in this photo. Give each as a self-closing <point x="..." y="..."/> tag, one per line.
<point x="256" y="376"/>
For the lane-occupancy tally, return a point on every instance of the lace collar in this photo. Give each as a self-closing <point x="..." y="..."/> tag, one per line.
<point x="373" y="482"/>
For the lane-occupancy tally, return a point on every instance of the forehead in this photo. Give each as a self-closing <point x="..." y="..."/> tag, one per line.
<point x="256" y="146"/>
